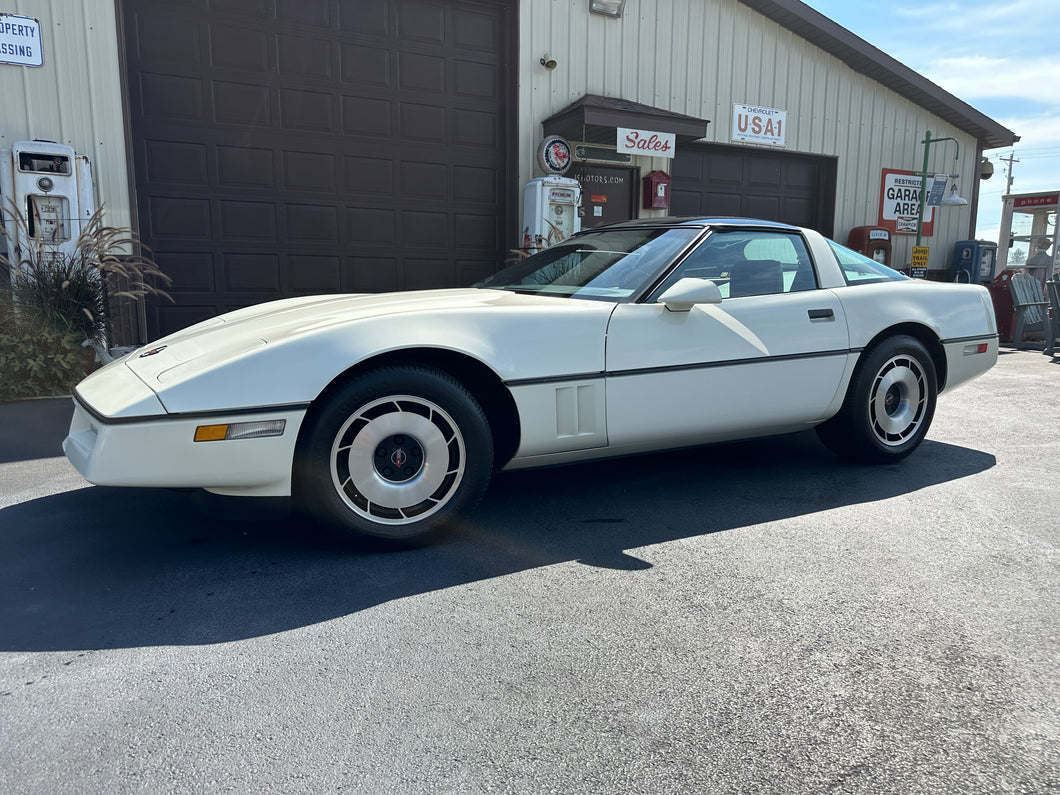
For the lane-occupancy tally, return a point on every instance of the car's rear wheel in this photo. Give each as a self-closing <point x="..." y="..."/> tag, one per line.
<point x="394" y="455"/>
<point x="889" y="405"/>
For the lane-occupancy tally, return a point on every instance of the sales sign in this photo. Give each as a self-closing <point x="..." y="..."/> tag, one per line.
<point x="759" y="125"/>
<point x="646" y="142"/>
<point x="20" y="41"/>
<point x="900" y="203"/>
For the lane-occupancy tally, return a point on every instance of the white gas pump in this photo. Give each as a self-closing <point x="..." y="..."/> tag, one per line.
<point x="550" y="211"/>
<point x="50" y="186"/>
<point x="1028" y="225"/>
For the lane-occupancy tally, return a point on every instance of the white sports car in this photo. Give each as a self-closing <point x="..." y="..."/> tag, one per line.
<point x="385" y="415"/>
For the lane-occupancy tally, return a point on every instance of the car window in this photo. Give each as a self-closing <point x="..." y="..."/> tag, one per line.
<point x="859" y="269"/>
<point x="749" y="262"/>
<point x="612" y="265"/>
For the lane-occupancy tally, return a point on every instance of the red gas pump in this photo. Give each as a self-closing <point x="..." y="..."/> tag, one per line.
<point x="872" y="241"/>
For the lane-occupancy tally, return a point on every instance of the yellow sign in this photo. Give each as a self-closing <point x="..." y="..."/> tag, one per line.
<point x="919" y="264"/>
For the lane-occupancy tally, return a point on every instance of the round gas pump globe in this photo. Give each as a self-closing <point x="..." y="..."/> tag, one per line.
<point x="554" y="155"/>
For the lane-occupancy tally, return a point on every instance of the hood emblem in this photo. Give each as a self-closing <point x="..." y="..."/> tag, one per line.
<point x="153" y="351"/>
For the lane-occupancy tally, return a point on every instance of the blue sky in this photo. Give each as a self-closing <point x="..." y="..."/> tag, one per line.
<point x="1002" y="58"/>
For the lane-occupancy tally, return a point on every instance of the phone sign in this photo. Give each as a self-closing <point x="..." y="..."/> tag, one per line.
<point x="20" y="41"/>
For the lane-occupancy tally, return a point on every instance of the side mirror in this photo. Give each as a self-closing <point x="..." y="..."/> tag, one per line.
<point x="687" y="292"/>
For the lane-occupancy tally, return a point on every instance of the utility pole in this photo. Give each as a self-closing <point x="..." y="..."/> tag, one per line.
<point x="1010" y="160"/>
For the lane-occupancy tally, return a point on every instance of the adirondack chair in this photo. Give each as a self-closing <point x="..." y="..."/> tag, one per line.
<point x="1030" y="306"/>
<point x="1052" y="289"/>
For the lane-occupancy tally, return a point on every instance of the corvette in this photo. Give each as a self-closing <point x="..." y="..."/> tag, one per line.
<point x="386" y="415"/>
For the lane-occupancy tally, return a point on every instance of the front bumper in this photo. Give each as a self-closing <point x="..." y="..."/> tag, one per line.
<point x="160" y="451"/>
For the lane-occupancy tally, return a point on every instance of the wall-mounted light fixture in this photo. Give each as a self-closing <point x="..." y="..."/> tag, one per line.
<point x="952" y="199"/>
<point x="548" y="62"/>
<point x="609" y="8"/>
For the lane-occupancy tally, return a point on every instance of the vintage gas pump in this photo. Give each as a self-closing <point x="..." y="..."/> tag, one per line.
<point x="973" y="261"/>
<point x="51" y="188"/>
<point x="550" y="211"/>
<point x="872" y="241"/>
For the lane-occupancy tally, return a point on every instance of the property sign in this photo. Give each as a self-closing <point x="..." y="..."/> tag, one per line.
<point x="900" y="203"/>
<point x="646" y="142"/>
<point x="20" y="41"/>
<point x="759" y="125"/>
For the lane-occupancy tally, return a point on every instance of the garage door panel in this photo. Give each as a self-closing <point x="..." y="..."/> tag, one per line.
<point x="242" y="221"/>
<point x="191" y="271"/>
<point x="304" y="58"/>
<point x="176" y="217"/>
<point x="370" y="17"/>
<point x="365" y="116"/>
<point x="315" y="138"/>
<point x="739" y="181"/>
<point x="241" y="104"/>
<point x="421" y="22"/>
<point x="252" y="273"/>
<point x="307" y="12"/>
<point x="171" y="97"/>
<point x="372" y="274"/>
<point x="313" y="225"/>
<point x="176" y="162"/>
<point x="476" y="31"/>
<point x="311" y="275"/>
<point x="239" y="48"/>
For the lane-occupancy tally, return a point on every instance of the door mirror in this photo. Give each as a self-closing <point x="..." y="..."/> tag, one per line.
<point x="687" y="292"/>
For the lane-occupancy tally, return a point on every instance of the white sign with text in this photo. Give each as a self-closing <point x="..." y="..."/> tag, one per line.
<point x="759" y="125"/>
<point x="20" y="41"/>
<point x="646" y="142"/>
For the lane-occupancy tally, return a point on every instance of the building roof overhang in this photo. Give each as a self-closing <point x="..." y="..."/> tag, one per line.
<point x="593" y="119"/>
<point x="862" y="57"/>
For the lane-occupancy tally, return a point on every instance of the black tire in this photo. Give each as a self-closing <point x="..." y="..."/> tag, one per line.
<point x="889" y="405"/>
<point x="394" y="455"/>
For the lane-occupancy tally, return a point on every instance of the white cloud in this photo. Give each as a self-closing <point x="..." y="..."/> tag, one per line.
<point x="978" y="76"/>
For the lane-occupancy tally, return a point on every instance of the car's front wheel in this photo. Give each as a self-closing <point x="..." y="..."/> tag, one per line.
<point x="889" y="404"/>
<point x="395" y="454"/>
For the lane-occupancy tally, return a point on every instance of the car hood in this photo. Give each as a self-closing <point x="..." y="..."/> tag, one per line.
<point x="228" y="336"/>
<point x="285" y="352"/>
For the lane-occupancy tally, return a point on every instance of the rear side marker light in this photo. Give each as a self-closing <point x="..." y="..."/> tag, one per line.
<point x="240" y="430"/>
<point x="972" y="350"/>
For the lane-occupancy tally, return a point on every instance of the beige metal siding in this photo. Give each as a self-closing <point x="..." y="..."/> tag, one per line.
<point x="75" y="97"/>
<point x="699" y="57"/>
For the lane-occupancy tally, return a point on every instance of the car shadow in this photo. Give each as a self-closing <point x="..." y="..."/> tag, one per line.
<point x="32" y="429"/>
<point x="102" y="568"/>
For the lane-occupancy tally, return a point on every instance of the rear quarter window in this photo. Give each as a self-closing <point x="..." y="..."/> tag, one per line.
<point x="859" y="269"/>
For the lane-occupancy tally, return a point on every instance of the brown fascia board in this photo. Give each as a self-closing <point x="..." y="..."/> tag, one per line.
<point x="862" y="57"/>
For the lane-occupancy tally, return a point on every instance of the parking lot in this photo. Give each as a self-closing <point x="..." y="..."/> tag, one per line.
<point x="756" y="617"/>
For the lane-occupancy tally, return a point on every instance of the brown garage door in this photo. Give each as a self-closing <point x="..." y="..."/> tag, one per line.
<point x="286" y="147"/>
<point x="752" y="183"/>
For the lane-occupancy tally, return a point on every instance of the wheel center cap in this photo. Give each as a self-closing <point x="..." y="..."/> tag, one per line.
<point x="399" y="458"/>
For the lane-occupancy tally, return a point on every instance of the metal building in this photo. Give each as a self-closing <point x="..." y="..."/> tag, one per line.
<point x="268" y="148"/>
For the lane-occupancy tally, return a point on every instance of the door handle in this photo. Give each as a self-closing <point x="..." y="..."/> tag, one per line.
<point x="821" y="314"/>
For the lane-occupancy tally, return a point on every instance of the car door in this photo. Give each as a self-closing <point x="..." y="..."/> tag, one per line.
<point x="769" y="358"/>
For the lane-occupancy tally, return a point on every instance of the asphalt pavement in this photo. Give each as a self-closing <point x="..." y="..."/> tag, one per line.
<point x="749" y="618"/>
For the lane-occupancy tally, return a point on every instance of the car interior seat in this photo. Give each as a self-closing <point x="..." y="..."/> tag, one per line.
<point x="756" y="277"/>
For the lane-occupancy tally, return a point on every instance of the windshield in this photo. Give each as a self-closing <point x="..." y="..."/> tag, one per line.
<point x="859" y="269"/>
<point x="614" y="265"/>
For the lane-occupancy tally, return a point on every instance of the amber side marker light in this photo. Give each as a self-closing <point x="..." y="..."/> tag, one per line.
<point x="240" y="430"/>
<point x="972" y="350"/>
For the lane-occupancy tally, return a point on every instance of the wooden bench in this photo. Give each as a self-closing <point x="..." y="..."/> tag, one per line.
<point x="1031" y="307"/>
